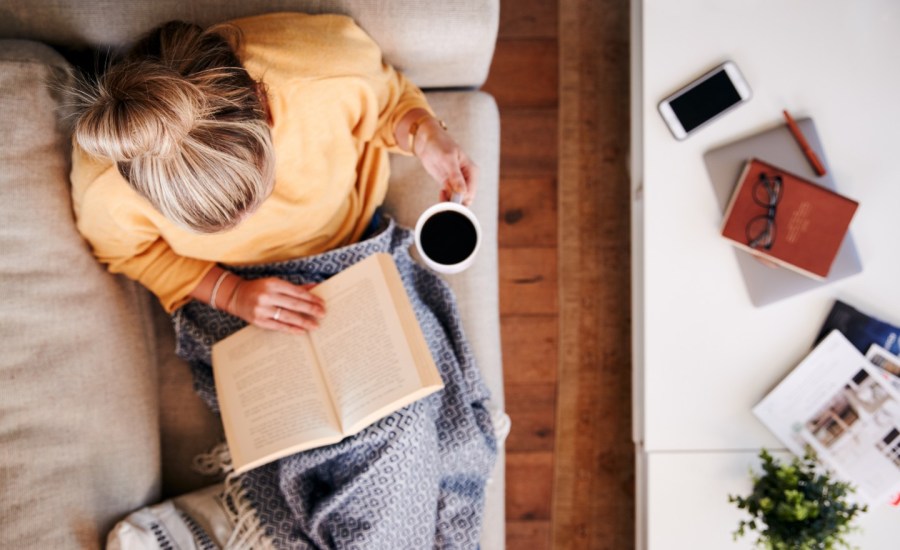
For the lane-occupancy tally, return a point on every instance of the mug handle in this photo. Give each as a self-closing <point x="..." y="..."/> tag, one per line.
<point x="456" y="197"/>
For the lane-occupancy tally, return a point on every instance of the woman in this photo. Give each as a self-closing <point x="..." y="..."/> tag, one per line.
<point x="259" y="141"/>
<point x="227" y="171"/>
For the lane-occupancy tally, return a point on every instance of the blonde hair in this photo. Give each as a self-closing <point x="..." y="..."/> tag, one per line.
<point x="185" y="125"/>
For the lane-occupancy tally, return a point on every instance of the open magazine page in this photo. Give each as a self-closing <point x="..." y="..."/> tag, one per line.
<point x="888" y="364"/>
<point x="840" y="404"/>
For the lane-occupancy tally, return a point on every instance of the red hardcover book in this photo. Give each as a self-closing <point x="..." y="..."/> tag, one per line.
<point x="787" y="219"/>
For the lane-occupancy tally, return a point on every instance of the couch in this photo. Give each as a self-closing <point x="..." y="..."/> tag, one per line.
<point x="97" y="416"/>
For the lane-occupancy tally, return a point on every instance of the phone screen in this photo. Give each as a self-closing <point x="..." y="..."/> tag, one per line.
<point x="705" y="100"/>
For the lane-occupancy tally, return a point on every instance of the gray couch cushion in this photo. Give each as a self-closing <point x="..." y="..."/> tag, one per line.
<point x="438" y="43"/>
<point x="78" y="388"/>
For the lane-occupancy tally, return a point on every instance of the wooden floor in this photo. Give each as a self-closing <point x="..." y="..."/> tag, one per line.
<point x="560" y="77"/>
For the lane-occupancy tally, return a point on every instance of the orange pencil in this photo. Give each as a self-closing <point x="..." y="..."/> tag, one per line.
<point x="801" y="140"/>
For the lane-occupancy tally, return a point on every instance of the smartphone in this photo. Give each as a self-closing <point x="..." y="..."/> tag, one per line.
<point x="704" y="99"/>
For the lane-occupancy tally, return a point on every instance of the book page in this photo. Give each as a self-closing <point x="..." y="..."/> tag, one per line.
<point x="272" y="395"/>
<point x="362" y="346"/>
<point x="888" y="365"/>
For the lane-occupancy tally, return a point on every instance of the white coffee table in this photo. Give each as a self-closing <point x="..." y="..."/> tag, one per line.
<point x="703" y="354"/>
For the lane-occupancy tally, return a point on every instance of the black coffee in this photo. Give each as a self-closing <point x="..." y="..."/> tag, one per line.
<point x="448" y="237"/>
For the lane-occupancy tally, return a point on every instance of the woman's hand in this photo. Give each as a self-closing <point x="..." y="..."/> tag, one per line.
<point x="275" y="304"/>
<point x="445" y="161"/>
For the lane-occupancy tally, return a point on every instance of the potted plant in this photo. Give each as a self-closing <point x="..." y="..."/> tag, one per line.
<point x="795" y="506"/>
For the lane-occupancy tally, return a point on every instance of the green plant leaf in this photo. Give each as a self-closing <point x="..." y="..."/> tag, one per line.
<point x="795" y="506"/>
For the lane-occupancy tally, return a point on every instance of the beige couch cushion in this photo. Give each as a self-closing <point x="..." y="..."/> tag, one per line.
<point x="473" y="120"/>
<point x="188" y="427"/>
<point x="79" y="443"/>
<point x="438" y="43"/>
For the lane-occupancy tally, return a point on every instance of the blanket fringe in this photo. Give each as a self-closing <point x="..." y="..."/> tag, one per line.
<point x="248" y="532"/>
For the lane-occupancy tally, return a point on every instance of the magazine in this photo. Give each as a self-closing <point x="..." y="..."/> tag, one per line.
<point x="842" y="406"/>
<point x="888" y="364"/>
<point x="861" y="329"/>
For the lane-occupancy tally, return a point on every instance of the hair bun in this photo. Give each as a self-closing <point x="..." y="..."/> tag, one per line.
<point x="138" y="109"/>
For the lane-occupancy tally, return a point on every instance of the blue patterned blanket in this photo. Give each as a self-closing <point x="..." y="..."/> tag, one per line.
<point x="415" y="479"/>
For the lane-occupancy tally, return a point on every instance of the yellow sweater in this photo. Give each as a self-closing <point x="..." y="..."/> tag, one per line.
<point x="334" y="106"/>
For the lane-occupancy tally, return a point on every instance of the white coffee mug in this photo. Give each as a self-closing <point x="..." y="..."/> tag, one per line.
<point x="448" y="236"/>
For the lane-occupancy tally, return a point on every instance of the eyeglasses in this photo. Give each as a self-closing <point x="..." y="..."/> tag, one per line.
<point x="761" y="229"/>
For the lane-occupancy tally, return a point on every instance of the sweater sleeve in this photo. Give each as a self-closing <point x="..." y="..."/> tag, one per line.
<point x="401" y="96"/>
<point x="395" y="95"/>
<point x="112" y="218"/>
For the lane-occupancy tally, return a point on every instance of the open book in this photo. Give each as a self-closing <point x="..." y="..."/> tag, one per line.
<point x="280" y="394"/>
<point x="846" y="408"/>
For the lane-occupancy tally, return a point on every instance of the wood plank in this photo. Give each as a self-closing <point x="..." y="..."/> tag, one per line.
<point x="527" y="212"/>
<point x="524" y="73"/>
<point x="528" y="144"/>
<point x="528" y="19"/>
<point x="528" y="281"/>
<point x="531" y="407"/>
<point x="533" y="535"/>
<point x="529" y="480"/>
<point x="528" y="169"/>
<point x="593" y="503"/>
<point x="529" y="348"/>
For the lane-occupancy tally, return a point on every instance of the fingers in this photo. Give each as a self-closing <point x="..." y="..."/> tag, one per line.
<point x="460" y="177"/>
<point x="302" y="312"/>
<point x="288" y="321"/>
<point x="276" y="304"/>
<point x="456" y="184"/>
<point x="464" y="181"/>
<point x="271" y="324"/>
<point x="298" y="313"/>
<point x="470" y="172"/>
<point x="274" y="286"/>
<point x="296" y="298"/>
<point x="447" y="163"/>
